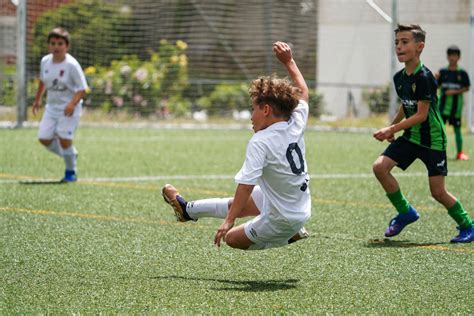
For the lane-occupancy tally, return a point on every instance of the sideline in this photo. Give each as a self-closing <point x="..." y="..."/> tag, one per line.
<point x="6" y="178"/>
<point x="190" y="126"/>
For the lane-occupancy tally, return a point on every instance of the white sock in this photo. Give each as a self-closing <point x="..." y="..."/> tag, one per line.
<point x="55" y="147"/>
<point x="217" y="208"/>
<point x="70" y="157"/>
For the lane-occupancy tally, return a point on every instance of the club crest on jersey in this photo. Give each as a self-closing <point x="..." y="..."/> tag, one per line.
<point x="61" y="72"/>
<point x="413" y="87"/>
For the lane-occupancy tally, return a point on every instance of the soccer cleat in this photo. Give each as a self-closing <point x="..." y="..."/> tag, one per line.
<point x="69" y="176"/>
<point x="172" y="197"/>
<point x="462" y="156"/>
<point x="400" y="221"/>
<point x="465" y="235"/>
<point x="301" y="234"/>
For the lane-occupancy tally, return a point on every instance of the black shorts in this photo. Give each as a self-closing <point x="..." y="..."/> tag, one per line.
<point x="453" y="121"/>
<point x="404" y="153"/>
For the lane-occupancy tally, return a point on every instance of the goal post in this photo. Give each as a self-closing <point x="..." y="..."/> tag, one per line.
<point x="21" y="91"/>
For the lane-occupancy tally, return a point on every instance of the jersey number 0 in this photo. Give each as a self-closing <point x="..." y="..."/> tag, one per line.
<point x="294" y="148"/>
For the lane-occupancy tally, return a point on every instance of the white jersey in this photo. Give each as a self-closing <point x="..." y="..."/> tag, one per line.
<point x="62" y="80"/>
<point x="275" y="160"/>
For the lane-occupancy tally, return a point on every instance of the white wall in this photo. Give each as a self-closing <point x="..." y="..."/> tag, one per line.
<point x="355" y="44"/>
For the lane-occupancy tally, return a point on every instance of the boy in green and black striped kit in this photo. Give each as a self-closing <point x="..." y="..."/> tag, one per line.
<point x="424" y="138"/>
<point x="453" y="82"/>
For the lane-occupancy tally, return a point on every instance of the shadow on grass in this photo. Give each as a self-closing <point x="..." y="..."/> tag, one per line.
<point x="39" y="182"/>
<point x="388" y="243"/>
<point x="243" y="286"/>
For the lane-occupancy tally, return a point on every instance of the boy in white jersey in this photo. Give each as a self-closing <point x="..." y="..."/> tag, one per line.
<point x="62" y="76"/>
<point x="273" y="181"/>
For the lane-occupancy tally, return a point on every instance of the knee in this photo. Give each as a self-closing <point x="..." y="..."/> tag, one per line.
<point x="65" y="143"/>
<point x="45" y="142"/>
<point x="232" y="240"/>
<point x="378" y="168"/>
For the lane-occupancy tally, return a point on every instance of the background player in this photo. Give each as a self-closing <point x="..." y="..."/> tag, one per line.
<point x="63" y="79"/>
<point x="453" y="82"/>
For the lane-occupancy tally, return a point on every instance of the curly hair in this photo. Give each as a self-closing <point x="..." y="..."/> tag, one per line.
<point x="279" y="93"/>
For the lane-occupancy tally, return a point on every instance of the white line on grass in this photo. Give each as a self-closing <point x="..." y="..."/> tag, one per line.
<point x="191" y="126"/>
<point x="230" y="177"/>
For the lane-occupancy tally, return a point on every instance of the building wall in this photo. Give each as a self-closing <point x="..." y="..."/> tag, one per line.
<point x="354" y="50"/>
<point x="8" y="24"/>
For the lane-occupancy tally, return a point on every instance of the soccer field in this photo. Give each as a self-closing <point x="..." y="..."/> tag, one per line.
<point x="110" y="244"/>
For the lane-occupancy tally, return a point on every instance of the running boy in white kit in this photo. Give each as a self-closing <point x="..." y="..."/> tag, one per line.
<point x="63" y="79"/>
<point x="273" y="181"/>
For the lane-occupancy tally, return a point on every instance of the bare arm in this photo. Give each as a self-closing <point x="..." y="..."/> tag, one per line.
<point x="69" y="110"/>
<point x="399" y="116"/>
<point x="38" y="97"/>
<point x="242" y="194"/>
<point x="417" y="118"/>
<point x="283" y="53"/>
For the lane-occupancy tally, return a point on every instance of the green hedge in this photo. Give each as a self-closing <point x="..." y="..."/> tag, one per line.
<point x="153" y="86"/>
<point x="83" y="20"/>
<point x="377" y="99"/>
<point x="226" y="98"/>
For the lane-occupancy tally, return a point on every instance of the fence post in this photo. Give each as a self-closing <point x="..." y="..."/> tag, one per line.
<point x="21" y="63"/>
<point x="393" y="64"/>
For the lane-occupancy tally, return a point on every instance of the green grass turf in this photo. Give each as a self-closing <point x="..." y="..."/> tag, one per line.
<point x="114" y="247"/>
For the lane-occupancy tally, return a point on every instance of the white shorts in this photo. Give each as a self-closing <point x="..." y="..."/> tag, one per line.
<point x="268" y="230"/>
<point x="57" y="125"/>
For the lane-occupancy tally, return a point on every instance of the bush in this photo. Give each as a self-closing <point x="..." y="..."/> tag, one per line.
<point x="99" y="26"/>
<point x="378" y="100"/>
<point x="153" y="86"/>
<point x="226" y="98"/>
<point x="316" y="103"/>
<point x="8" y="85"/>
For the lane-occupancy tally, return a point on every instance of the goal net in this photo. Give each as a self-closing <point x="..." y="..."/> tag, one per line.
<point x="160" y="58"/>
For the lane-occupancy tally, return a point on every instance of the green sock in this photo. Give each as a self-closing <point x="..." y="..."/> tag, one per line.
<point x="458" y="137"/>
<point x="399" y="201"/>
<point x="461" y="217"/>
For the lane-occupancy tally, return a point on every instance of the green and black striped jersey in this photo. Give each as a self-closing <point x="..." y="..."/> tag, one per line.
<point x="451" y="105"/>
<point x="421" y="86"/>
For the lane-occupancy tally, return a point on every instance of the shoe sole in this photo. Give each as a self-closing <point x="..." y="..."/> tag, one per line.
<point x="68" y="181"/>
<point x="461" y="241"/>
<point x="178" y="212"/>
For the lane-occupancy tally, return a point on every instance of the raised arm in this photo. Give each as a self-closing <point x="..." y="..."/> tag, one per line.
<point x="283" y="53"/>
